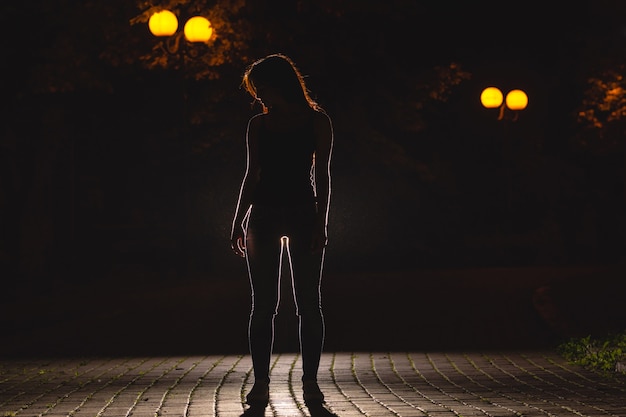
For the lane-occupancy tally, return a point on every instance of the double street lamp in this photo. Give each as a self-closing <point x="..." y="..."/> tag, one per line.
<point x="515" y="100"/>
<point x="165" y="23"/>
<point x="492" y="98"/>
<point x="196" y="29"/>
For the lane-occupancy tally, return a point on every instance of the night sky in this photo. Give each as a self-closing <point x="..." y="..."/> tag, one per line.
<point x="120" y="161"/>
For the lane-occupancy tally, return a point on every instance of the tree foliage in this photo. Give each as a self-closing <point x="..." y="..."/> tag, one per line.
<point x="602" y="65"/>
<point x="603" y="110"/>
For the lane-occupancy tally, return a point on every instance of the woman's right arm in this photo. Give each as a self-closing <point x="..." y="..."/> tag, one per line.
<point x="248" y="185"/>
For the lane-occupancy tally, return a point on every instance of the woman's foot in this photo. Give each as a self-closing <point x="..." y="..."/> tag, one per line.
<point x="259" y="395"/>
<point x="311" y="393"/>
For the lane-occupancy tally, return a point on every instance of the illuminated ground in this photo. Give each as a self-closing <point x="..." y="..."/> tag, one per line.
<point x="490" y="383"/>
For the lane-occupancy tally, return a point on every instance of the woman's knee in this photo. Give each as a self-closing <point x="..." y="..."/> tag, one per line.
<point x="264" y="310"/>
<point x="311" y="309"/>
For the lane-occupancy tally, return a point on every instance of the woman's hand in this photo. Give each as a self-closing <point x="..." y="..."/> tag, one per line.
<point x="238" y="242"/>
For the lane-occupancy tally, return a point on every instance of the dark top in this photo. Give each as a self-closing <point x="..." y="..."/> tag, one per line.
<point x="286" y="166"/>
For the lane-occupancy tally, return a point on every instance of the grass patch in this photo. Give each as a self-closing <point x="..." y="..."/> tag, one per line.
<point x="601" y="354"/>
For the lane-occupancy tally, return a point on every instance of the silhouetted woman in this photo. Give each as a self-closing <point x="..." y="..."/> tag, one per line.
<point x="284" y="197"/>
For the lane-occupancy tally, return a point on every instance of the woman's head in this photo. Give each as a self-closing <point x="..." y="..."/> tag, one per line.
<point x="278" y="73"/>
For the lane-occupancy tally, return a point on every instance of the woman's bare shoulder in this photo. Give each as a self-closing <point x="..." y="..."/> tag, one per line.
<point x="255" y="121"/>
<point x="321" y="120"/>
<point x="256" y="118"/>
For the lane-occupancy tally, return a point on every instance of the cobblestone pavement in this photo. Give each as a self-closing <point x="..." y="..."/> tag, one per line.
<point x="438" y="384"/>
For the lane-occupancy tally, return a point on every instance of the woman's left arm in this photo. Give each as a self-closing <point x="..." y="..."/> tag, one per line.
<point x="324" y="138"/>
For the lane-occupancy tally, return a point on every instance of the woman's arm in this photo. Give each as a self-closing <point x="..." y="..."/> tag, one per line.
<point x="248" y="185"/>
<point x="324" y="138"/>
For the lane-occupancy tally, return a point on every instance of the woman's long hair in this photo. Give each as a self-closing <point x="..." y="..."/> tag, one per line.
<point x="280" y="72"/>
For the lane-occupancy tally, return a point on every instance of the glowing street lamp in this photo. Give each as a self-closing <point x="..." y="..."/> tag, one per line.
<point x="163" y="23"/>
<point x="198" y="29"/>
<point x="492" y="98"/>
<point x="516" y="100"/>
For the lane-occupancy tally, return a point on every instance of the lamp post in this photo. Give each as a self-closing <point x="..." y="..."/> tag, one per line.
<point x="197" y="29"/>
<point x="514" y="101"/>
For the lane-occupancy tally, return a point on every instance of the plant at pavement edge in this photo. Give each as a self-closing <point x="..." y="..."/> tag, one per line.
<point x="601" y="354"/>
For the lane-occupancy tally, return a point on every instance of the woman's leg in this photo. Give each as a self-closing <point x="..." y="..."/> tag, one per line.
<point x="263" y="255"/>
<point x="306" y="269"/>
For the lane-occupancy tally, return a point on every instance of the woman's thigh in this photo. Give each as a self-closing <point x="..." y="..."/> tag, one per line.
<point x="263" y="255"/>
<point x="306" y="268"/>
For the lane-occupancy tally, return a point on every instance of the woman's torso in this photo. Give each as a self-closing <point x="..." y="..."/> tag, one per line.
<point x="285" y="152"/>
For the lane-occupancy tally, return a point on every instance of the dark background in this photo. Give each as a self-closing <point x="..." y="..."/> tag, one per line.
<point x="121" y="163"/>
